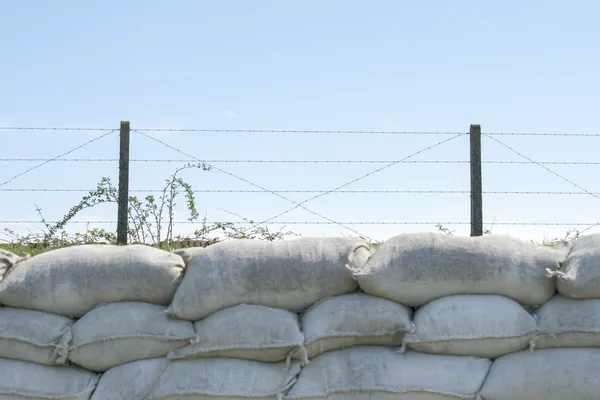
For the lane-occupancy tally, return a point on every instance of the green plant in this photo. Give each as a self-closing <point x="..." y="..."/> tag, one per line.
<point x="151" y="220"/>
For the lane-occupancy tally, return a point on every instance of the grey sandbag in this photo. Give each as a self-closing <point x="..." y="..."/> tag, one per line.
<point x="248" y="332"/>
<point x="579" y="275"/>
<point x="373" y="372"/>
<point x="205" y="378"/>
<point x="118" y="333"/>
<point x="549" y="374"/>
<point x="354" y="319"/>
<point x="487" y="326"/>
<point x="7" y="261"/>
<point x="290" y="275"/>
<point x="30" y="381"/>
<point x="73" y="280"/>
<point x="34" y="336"/>
<point x="413" y="269"/>
<point x="188" y="253"/>
<point x="566" y="322"/>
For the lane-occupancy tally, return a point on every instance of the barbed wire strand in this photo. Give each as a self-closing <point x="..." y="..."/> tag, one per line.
<point x="319" y="131"/>
<point x="358" y="179"/>
<point x="57" y="157"/>
<point x="552" y="172"/>
<point x="550" y="193"/>
<point x="301" y="161"/>
<point x="331" y="222"/>
<point x="250" y="183"/>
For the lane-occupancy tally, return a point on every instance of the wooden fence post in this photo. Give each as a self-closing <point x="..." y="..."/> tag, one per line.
<point x="476" y="182"/>
<point x="123" y="201"/>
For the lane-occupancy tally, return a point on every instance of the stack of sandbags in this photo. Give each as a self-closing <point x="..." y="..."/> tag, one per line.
<point x="68" y="314"/>
<point x="572" y="317"/>
<point x="473" y="297"/>
<point x="242" y="297"/>
<point x="427" y="316"/>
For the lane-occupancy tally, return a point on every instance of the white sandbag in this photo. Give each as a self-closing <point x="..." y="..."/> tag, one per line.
<point x="73" y="280"/>
<point x="34" y="336"/>
<point x="579" y="275"/>
<point x="565" y="322"/>
<point x="30" y="381"/>
<point x="7" y="261"/>
<point x="117" y="333"/>
<point x="248" y="332"/>
<point x="353" y="320"/>
<point x="289" y="275"/>
<point x="549" y="374"/>
<point x="371" y="372"/>
<point x="413" y="269"/>
<point x="188" y="253"/>
<point x="472" y="325"/>
<point x="206" y="378"/>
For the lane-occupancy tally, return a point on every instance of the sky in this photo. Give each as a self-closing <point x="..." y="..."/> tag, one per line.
<point x="382" y="65"/>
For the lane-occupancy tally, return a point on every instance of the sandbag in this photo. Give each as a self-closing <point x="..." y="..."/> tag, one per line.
<point x="206" y="378"/>
<point x="565" y="322"/>
<point x="579" y="275"/>
<point x="288" y="275"/>
<point x="414" y="269"/>
<point x="34" y="336"/>
<point x="370" y="372"/>
<point x="472" y="325"/>
<point x="7" y="261"/>
<point x="73" y="280"/>
<point x="30" y="381"/>
<point x="352" y="320"/>
<point x="549" y="374"/>
<point x="117" y="333"/>
<point x="248" y="332"/>
<point x="188" y="253"/>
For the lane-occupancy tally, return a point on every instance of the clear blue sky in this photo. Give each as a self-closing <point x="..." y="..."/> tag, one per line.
<point x="511" y="66"/>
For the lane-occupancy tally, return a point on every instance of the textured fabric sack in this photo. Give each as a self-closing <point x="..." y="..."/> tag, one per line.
<point x="188" y="253"/>
<point x="34" y="336"/>
<point x="549" y="374"/>
<point x="7" y="261"/>
<point x="247" y="332"/>
<point x="565" y="322"/>
<point x="73" y="280"/>
<point x="118" y="333"/>
<point x="371" y="372"/>
<point x="289" y="275"/>
<point x="579" y="275"/>
<point x="413" y="269"/>
<point x="352" y="320"/>
<point x="30" y="381"/>
<point x="472" y="325"/>
<point x="206" y="378"/>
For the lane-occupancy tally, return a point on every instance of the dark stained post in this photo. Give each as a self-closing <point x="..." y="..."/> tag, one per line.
<point x="476" y="182"/>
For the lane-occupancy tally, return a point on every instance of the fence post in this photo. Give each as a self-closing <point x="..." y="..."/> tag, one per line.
<point x="123" y="201"/>
<point x="476" y="184"/>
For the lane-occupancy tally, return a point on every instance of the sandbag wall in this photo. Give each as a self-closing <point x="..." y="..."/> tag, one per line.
<point x="426" y="316"/>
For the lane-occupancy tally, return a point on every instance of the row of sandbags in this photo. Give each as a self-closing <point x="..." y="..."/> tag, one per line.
<point x="473" y="325"/>
<point x="358" y="373"/>
<point x="411" y="269"/>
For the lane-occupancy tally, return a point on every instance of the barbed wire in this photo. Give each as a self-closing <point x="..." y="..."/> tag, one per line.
<point x="55" y="158"/>
<point x="550" y="193"/>
<point x="302" y="161"/>
<point x="364" y="176"/>
<point x="433" y="223"/>
<point x="251" y="183"/>
<point x="317" y="131"/>
<point x="553" y="173"/>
